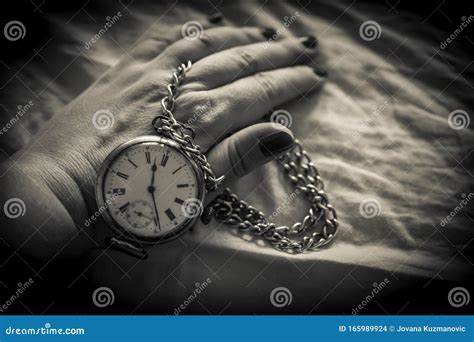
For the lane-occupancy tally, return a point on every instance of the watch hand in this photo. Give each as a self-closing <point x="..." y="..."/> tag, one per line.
<point x="156" y="212"/>
<point x="139" y="213"/>
<point x="153" y="170"/>
<point x="151" y="190"/>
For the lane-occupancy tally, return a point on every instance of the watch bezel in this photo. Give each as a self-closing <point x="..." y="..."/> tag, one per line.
<point x="100" y="193"/>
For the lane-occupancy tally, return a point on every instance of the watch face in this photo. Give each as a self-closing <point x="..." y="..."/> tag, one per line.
<point x="150" y="190"/>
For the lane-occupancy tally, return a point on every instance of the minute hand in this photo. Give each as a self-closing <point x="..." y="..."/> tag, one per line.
<point x="151" y="190"/>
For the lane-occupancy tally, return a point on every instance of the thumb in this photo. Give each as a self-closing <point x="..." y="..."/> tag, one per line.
<point x="249" y="149"/>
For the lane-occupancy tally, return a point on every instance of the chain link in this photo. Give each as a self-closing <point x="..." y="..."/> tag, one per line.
<point x="165" y="124"/>
<point x="317" y="229"/>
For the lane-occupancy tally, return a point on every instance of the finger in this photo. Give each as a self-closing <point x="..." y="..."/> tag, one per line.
<point x="158" y="37"/>
<point x="201" y="43"/>
<point x="249" y="149"/>
<point x="258" y="94"/>
<point x="242" y="61"/>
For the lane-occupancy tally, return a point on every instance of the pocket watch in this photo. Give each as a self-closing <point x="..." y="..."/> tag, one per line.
<point x="151" y="189"/>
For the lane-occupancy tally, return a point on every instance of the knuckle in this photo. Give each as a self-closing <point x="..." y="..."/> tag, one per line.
<point x="236" y="161"/>
<point x="267" y="84"/>
<point x="198" y="111"/>
<point x="246" y="60"/>
<point x="207" y="41"/>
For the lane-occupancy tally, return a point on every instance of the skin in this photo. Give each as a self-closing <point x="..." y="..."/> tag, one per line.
<point x="55" y="175"/>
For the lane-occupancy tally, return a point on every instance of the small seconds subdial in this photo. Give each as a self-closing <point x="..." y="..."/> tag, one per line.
<point x="140" y="214"/>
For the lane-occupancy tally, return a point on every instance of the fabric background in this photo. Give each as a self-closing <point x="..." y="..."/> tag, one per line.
<point x="378" y="130"/>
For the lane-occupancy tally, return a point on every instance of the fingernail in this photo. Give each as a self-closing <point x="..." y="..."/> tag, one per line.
<point x="309" y="41"/>
<point x="320" y="72"/>
<point x="276" y="143"/>
<point x="215" y="18"/>
<point x="268" y="32"/>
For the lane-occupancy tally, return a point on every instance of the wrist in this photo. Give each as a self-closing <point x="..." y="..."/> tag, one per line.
<point x="44" y="221"/>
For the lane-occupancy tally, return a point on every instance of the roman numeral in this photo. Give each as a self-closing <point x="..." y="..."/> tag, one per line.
<point x="119" y="191"/>
<point x="178" y="200"/>
<point x="179" y="168"/>
<point x="170" y="214"/>
<point x="131" y="162"/>
<point x="148" y="157"/>
<point x="182" y="185"/>
<point x="164" y="160"/>
<point x="124" y="207"/>
<point x="122" y="175"/>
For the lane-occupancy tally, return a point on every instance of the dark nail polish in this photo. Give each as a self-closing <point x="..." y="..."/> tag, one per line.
<point x="320" y="72"/>
<point x="276" y="143"/>
<point x="309" y="41"/>
<point x="268" y="32"/>
<point x="215" y="18"/>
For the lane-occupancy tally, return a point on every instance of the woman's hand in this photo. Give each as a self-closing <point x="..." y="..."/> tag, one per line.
<point x="236" y="78"/>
